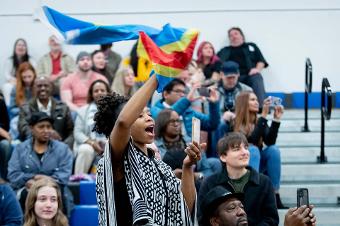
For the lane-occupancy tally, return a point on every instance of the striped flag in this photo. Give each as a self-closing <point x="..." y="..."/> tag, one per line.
<point x="168" y="60"/>
<point x="169" y="50"/>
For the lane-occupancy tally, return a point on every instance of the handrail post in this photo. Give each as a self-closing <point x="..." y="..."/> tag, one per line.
<point x="325" y="115"/>
<point x="308" y="89"/>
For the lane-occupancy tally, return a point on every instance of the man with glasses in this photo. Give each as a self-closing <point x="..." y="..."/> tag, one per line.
<point x="174" y="97"/>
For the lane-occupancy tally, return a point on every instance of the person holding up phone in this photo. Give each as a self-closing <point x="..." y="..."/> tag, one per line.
<point x="300" y="216"/>
<point x="173" y="97"/>
<point x="264" y="154"/>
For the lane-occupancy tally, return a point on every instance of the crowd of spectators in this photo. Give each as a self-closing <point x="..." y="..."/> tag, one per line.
<point x="48" y="130"/>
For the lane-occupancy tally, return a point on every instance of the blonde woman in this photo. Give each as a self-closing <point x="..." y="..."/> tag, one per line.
<point x="124" y="82"/>
<point x="44" y="205"/>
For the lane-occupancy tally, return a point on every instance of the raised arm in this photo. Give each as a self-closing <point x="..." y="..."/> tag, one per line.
<point x="120" y="134"/>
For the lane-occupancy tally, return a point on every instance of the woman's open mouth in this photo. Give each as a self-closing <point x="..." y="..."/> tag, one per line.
<point x="150" y="130"/>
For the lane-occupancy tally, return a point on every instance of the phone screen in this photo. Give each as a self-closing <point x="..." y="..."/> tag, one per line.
<point x="302" y="197"/>
<point x="196" y="130"/>
<point x="204" y="91"/>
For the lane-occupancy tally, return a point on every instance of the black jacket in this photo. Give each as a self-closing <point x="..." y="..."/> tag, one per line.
<point x="263" y="133"/>
<point x="252" y="55"/>
<point x="259" y="197"/>
<point x="60" y="113"/>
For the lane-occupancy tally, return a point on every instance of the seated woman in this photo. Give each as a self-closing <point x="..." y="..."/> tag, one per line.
<point x="21" y="94"/>
<point x="23" y="91"/>
<point x="208" y="61"/>
<point x="44" y="205"/>
<point x="88" y="143"/>
<point x="124" y="83"/>
<point x="265" y="156"/>
<point x="171" y="144"/>
<point x="100" y="65"/>
<point x="133" y="187"/>
<point x="20" y="55"/>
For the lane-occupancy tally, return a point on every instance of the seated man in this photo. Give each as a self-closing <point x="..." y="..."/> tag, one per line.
<point x="55" y="64"/>
<point x="57" y="110"/>
<point x="174" y="98"/>
<point x="250" y="59"/>
<point x="74" y="88"/>
<point x="223" y="207"/>
<point x="39" y="157"/>
<point x="237" y="177"/>
<point x="230" y="87"/>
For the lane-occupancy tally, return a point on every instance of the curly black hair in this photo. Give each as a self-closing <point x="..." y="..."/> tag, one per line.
<point x="109" y="108"/>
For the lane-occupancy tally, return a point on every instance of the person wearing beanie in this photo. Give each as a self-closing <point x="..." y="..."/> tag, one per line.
<point x="229" y="88"/>
<point x="74" y="88"/>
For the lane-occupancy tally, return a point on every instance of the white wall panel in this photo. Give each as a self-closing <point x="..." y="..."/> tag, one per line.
<point x="286" y="31"/>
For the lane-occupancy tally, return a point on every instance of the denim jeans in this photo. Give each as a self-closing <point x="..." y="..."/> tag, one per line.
<point x="5" y="155"/>
<point x="268" y="162"/>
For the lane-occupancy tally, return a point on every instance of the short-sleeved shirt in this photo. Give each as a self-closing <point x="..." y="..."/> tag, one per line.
<point x="79" y="87"/>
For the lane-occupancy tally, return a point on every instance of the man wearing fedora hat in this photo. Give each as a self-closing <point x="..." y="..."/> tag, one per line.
<point x="222" y="207"/>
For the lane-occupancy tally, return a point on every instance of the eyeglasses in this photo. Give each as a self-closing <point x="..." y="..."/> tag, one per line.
<point x="174" y="121"/>
<point x="178" y="91"/>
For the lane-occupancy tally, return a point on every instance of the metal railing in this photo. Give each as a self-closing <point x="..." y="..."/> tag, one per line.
<point x="326" y="111"/>
<point x="308" y="89"/>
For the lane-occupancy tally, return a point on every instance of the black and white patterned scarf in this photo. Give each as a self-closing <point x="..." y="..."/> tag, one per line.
<point x="154" y="192"/>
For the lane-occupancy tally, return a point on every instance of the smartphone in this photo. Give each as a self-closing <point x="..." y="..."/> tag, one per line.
<point x="204" y="91"/>
<point x="302" y="197"/>
<point x="275" y="101"/>
<point x="196" y="130"/>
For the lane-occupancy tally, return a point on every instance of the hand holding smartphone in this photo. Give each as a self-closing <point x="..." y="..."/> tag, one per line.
<point x="204" y="91"/>
<point x="196" y="130"/>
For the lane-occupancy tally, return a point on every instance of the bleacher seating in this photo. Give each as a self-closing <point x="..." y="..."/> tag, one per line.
<point x="84" y="215"/>
<point x="86" y="211"/>
<point x="87" y="193"/>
